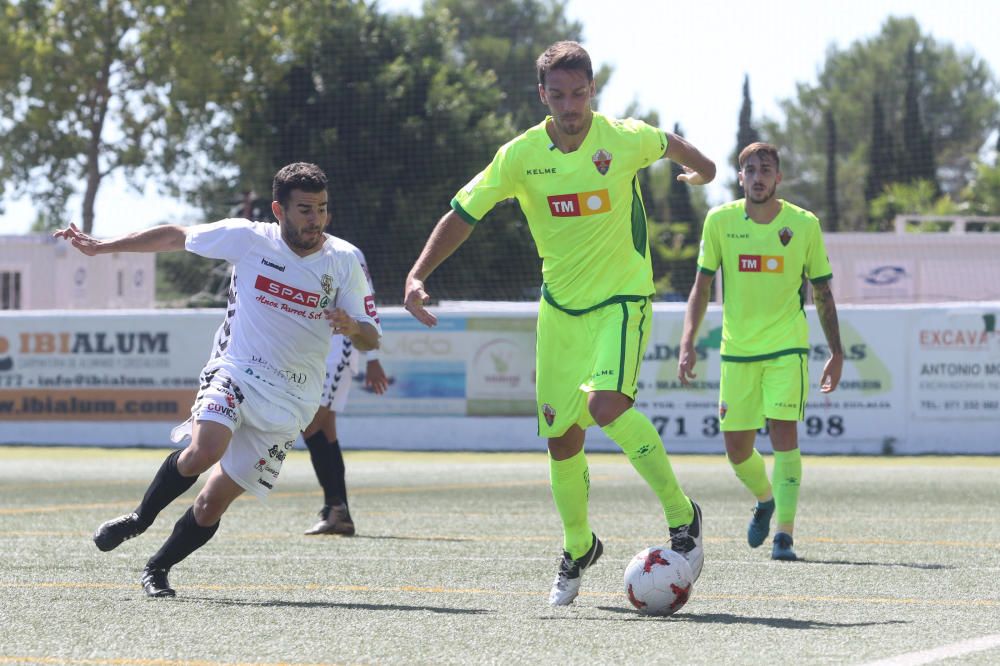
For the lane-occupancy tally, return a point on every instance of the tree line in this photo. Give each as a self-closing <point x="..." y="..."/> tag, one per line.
<point x="208" y="99"/>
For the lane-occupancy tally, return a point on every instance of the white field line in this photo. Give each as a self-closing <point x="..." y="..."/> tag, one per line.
<point x="940" y="653"/>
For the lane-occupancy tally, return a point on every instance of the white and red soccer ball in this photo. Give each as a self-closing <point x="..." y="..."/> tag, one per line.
<point x="658" y="581"/>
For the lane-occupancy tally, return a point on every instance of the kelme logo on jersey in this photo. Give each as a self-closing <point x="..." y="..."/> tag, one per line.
<point x="602" y="160"/>
<point x="756" y="263"/>
<point x="584" y="203"/>
<point x="285" y="292"/>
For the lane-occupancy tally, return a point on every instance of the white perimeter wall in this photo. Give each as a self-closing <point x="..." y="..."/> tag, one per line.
<point x="918" y="379"/>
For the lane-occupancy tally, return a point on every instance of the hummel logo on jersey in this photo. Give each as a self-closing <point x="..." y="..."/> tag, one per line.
<point x="286" y="293"/>
<point x="575" y="205"/>
<point x="272" y="265"/>
<point x="755" y="263"/>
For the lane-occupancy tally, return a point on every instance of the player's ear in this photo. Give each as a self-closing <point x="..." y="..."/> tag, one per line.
<point x="278" y="211"/>
<point x="541" y="94"/>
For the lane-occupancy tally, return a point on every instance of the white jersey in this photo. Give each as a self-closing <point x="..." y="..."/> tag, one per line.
<point x="275" y="338"/>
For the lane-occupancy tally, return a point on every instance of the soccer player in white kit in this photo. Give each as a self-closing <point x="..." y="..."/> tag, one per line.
<point x="320" y="436"/>
<point x="291" y="286"/>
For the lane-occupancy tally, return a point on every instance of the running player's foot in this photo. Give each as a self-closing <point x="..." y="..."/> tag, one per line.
<point x="111" y="534"/>
<point x="334" y="519"/>
<point x="760" y="524"/>
<point x="566" y="586"/>
<point x="782" y="549"/>
<point x="155" y="583"/>
<point x="687" y="540"/>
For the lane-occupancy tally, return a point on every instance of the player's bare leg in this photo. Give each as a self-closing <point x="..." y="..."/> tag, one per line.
<point x="178" y="472"/>
<point x="194" y="529"/>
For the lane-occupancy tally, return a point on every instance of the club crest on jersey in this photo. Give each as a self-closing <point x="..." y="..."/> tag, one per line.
<point x="549" y="412"/>
<point x="602" y="160"/>
<point x="723" y="408"/>
<point x="327" y="283"/>
<point x="785" y="235"/>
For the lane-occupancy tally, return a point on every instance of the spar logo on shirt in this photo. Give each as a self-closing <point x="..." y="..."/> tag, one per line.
<point x="757" y="263"/>
<point x="581" y="203"/>
<point x="286" y="292"/>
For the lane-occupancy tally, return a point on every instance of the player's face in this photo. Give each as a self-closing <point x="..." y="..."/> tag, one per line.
<point x="302" y="221"/>
<point x="760" y="177"/>
<point x="568" y="93"/>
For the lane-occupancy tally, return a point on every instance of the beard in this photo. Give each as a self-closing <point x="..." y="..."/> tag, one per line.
<point x="297" y="241"/>
<point x="762" y="197"/>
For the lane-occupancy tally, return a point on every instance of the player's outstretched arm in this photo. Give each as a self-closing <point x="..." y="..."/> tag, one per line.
<point x="826" y="310"/>
<point x="698" y="169"/>
<point x="693" y="316"/>
<point x="162" y="238"/>
<point x="451" y="231"/>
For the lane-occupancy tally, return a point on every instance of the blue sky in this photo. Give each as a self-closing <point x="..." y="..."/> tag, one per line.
<point x="684" y="60"/>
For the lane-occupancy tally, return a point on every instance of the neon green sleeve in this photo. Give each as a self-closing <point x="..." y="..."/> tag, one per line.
<point x="489" y="187"/>
<point x="709" y="253"/>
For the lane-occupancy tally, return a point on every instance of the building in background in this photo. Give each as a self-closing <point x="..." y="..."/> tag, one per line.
<point x="37" y="272"/>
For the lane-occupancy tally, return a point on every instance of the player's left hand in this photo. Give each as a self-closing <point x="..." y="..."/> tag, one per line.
<point x="343" y="323"/>
<point x="375" y="378"/>
<point x="831" y="373"/>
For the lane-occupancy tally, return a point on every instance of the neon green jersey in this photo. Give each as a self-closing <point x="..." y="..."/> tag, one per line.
<point x="763" y="266"/>
<point x="584" y="208"/>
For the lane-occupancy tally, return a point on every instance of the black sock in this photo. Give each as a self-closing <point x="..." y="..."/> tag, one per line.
<point x="320" y="455"/>
<point x="337" y="493"/>
<point x="167" y="485"/>
<point x="187" y="537"/>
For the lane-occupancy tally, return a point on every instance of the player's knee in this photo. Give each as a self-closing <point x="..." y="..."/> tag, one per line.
<point x="197" y="459"/>
<point x="606" y="406"/>
<point x="207" y="511"/>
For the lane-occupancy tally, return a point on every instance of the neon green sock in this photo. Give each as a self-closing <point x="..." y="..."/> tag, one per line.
<point x="753" y="474"/>
<point x="637" y="437"/>
<point x="787" y="474"/>
<point x="570" y="481"/>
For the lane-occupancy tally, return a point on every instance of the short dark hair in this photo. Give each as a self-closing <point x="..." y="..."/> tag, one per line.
<point x="564" y="55"/>
<point x="297" y="176"/>
<point x="760" y="148"/>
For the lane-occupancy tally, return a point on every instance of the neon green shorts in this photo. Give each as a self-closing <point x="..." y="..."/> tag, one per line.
<point x="599" y="350"/>
<point x="751" y="392"/>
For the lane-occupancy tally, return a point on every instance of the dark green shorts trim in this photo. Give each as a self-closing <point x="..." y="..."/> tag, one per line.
<point x="762" y="357"/>
<point x="576" y="313"/>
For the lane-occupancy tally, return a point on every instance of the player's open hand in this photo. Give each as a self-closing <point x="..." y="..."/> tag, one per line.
<point x="414" y="301"/>
<point x="692" y="177"/>
<point x="375" y="378"/>
<point x="831" y="373"/>
<point x="685" y="365"/>
<point x="89" y="245"/>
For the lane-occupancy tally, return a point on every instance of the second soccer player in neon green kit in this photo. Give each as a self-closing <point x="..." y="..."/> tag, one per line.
<point x="574" y="176"/>
<point x="765" y="248"/>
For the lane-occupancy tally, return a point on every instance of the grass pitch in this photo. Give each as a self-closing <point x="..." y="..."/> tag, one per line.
<point x="455" y="554"/>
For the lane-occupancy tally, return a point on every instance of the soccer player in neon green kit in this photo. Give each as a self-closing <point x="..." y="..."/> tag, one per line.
<point x="766" y="249"/>
<point x="574" y="175"/>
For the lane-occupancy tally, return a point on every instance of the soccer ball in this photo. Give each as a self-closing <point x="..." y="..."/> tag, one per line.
<point x="658" y="581"/>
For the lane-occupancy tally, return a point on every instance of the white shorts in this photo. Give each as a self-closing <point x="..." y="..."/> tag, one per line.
<point x="341" y="366"/>
<point x="263" y="431"/>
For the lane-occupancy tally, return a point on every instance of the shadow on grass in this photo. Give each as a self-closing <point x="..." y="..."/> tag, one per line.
<point x="283" y="603"/>
<point x="905" y="565"/>
<point x="729" y="618"/>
